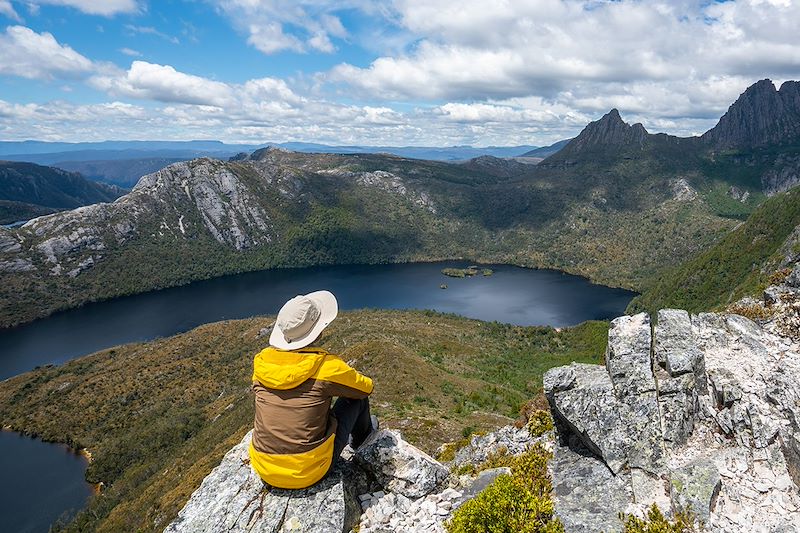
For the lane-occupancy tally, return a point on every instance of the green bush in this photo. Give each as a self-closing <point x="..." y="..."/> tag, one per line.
<point x="656" y="522"/>
<point x="519" y="503"/>
<point x="540" y="423"/>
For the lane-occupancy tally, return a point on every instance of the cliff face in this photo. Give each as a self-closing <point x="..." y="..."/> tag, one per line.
<point x="761" y="116"/>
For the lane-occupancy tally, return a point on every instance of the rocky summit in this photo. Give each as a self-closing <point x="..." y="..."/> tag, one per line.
<point x="697" y="414"/>
<point x="761" y="116"/>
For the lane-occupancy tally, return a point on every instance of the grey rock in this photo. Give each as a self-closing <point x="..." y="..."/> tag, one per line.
<point x="790" y="447"/>
<point x="591" y="411"/>
<point x="8" y="244"/>
<point x="649" y="489"/>
<point x="508" y="439"/>
<point x="587" y="496"/>
<point x="233" y="498"/>
<point x="483" y="480"/>
<point x="16" y="265"/>
<point x="630" y="365"/>
<point x="793" y="279"/>
<point x="400" y="467"/>
<point x="559" y="379"/>
<point x="679" y="406"/>
<point x="694" y="488"/>
<point x="628" y="357"/>
<point x="675" y="348"/>
<point x="725" y="388"/>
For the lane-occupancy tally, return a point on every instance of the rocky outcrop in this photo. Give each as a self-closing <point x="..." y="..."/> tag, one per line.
<point x="233" y="498"/>
<point x="386" y="486"/>
<point x="702" y="419"/>
<point x="399" y="467"/>
<point x="782" y="176"/>
<point x="761" y="116"/>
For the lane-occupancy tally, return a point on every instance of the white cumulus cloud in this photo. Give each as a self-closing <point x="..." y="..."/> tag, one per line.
<point x="163" y="83"/>
<point x="28" y="54"/>
<point x="297" y="25"/>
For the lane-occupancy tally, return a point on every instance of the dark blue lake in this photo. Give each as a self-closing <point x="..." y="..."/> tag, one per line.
<point x="41" y="483"/>
<point x="514" y="295"/>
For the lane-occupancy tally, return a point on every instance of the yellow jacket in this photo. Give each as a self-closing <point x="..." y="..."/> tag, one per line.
<point x="292" y="445"/>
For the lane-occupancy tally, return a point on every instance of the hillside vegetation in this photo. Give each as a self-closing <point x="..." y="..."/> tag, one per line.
<point x="28" y="190"/>
<point x="158" y="416"/>
<point x="739" y="265"/>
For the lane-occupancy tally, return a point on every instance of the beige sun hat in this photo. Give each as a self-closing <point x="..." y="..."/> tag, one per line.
<point x="302" y="319"/>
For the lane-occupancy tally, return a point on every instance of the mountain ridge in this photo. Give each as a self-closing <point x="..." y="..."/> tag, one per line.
<point x="30" y="190"/>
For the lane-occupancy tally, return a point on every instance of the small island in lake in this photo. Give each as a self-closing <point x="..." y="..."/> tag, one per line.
<point x="459" y="272"/>
<point x="470" y="271"/>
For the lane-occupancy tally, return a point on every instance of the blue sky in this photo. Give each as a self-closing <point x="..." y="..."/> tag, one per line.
<point x="392" y="72"/>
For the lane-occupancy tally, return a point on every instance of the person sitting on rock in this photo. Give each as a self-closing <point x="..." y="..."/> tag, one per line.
<point x="297" y="436"/>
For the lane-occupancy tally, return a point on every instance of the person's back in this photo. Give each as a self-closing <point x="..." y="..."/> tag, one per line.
<point x="296" y="435"/>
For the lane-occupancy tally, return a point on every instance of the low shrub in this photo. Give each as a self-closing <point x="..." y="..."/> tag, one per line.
<point x="656" y="522"/>
<point x="540" y="423"/>
<point x="516" y="503"/>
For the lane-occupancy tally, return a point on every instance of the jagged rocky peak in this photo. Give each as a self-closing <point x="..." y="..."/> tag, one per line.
<point x="609" y="131"/>
<point x="762" y="115"/>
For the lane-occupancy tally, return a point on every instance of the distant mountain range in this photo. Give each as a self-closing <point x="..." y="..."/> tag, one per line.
<point x="28" y="190"/>
<point x="616" y="204"/>
<point x="122" y="163"/>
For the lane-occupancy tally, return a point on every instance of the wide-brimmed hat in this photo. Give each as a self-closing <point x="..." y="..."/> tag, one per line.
<point x="302" y="319"/>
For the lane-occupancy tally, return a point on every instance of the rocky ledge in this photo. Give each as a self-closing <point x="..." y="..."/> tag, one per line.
<point x="699" y="413"/>
<point x="387" y="485"/>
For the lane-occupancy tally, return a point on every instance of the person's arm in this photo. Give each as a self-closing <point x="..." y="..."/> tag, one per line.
<point x="343" y="380"/>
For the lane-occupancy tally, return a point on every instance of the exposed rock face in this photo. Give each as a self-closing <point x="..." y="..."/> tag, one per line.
<point x="722" y="442"/>
<point x="694" y="488"/>
<point x="512" y="440"/>
<point x="228" y="205"/>
<point x="784" y="175"/>
<point x="233" y="498"/>
<point x="588" y="496"/>
<point x="385" y="487"/>
<point x="762" y="115"/>
<point x="614" y="411"/>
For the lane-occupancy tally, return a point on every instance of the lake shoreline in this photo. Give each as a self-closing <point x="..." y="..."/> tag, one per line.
<point x="5" y="326"/>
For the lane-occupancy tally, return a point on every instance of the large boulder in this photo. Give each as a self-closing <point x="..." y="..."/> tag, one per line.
<point x="583" y="404"/>
<point x="400" y="467"/>
<point x="675" y="347"/>
<point x="726" y="393"/>
<point x="233" y="498"/>
<point x="630" y="364"/>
